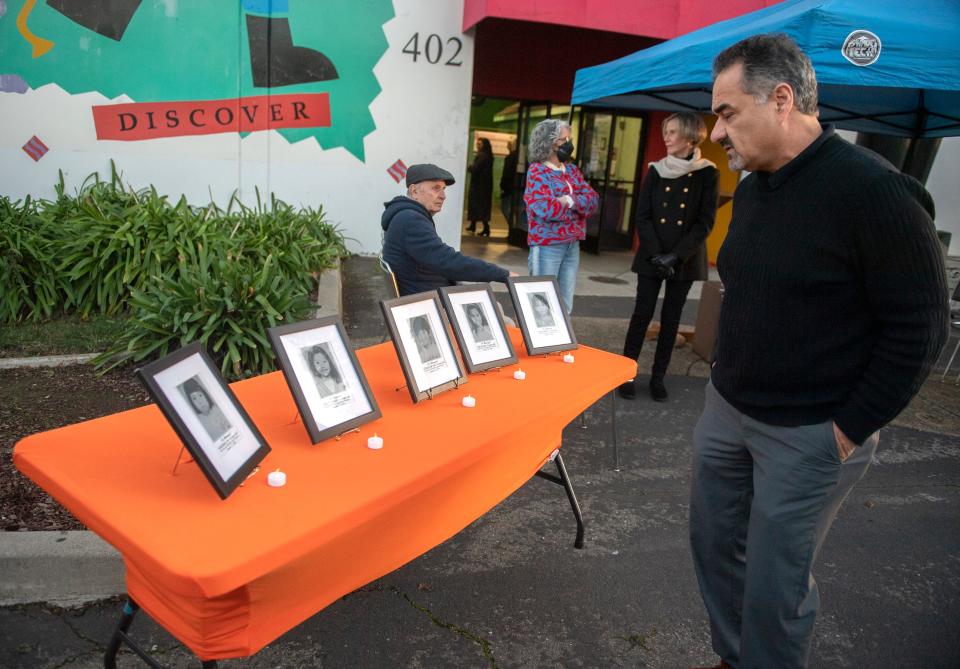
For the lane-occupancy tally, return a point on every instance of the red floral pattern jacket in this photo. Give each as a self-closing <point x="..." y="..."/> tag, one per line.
<point x="549" y="219"/>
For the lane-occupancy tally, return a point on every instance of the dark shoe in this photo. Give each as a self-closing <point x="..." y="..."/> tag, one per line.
<point x="627" y="390"/>
<point x="486" y="230"/>
<point x="658" y="391"/>
<point x="722" y="665"/>
<point x="472" y="227"/>
<point x="275" y="61"/>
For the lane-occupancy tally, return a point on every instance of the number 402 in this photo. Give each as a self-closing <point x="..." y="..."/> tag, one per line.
<point x="433" y="49"/>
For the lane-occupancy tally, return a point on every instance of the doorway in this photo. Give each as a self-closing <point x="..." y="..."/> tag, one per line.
<point x="610" y="158"/>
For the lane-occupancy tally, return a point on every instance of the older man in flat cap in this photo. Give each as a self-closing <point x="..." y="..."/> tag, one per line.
<point x="419" y="258"/>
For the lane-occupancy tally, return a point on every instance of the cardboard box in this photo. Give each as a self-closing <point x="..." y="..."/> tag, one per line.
<point x="708" y="319"/>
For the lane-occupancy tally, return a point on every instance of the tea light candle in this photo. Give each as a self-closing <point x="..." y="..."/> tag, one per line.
<point x="568" y="357"/>
<point x="375" y="442"/>
<point x="519" y="375"/>
<point x="469" y="401"/>
<point x="277" y="479"/>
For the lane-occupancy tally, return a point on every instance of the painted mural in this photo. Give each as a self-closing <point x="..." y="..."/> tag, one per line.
<point x="323" y="103"/>
<point x="219" y="66"/>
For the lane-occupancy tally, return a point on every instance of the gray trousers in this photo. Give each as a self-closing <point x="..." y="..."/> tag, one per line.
<point x="762" y="500"/>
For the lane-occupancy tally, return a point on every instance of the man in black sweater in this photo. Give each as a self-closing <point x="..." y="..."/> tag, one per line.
<point x="835" y="308"/>
<point x="418" y="257"/>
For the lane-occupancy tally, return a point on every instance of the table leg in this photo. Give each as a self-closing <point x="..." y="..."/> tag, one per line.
<point x="564" y="480"/>
<point x="613" y="424"/>
<point x="121" y="636"/>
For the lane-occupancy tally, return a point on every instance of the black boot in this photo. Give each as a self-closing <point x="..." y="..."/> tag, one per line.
<point x="486" y="230"/>
<point x="658" y="391"/>
<point x="275" y="61"/>
<point x="472" y="227"/>
<point x="627" y="390"/>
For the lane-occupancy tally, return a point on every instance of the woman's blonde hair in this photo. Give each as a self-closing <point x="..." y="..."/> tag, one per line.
<point x="691" y="126"/>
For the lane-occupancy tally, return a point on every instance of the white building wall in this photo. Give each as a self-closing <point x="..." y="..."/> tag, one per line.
<point x="420" y="115"/>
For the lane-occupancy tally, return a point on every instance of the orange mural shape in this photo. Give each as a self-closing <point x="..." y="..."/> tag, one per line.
<point x="39" y="44"/>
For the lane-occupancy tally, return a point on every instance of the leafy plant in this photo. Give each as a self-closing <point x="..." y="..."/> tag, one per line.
<point x="221" y="300"/>
<point x="184" y="273"/>
<point x="29" y="287"/>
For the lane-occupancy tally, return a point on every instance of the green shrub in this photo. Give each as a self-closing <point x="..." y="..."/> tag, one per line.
<point x="184" y="273"/>
<point x="118" y="240"/>
<point x="223" y="300"/>
<point x="30" y="289"/>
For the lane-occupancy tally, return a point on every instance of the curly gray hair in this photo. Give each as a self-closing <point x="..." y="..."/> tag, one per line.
<point x="769" y="60"/>
<point x="544" y="134"/>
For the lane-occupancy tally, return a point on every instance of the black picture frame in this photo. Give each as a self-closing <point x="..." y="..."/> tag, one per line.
<point x="478" y="326"/>
<point x="543" y="333"/>
<point x="343" y="392"/>
<point x="175" y="382"/>
<point x="443" y="370"/>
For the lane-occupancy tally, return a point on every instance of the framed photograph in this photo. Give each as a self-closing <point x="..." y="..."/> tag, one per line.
<point x="420" y="332"/>
<point x="324" y="376"/>
<point x="543" y="319"/>
<point x="478" y="327"/>
<point x="206" y="415"/>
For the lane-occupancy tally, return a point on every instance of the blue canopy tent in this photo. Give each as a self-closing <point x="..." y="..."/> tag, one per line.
<point x="883" y="66"/>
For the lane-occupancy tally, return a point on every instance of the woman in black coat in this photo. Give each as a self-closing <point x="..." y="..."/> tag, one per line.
<point x="675" y="213"/>
<point x="481" y="187"/>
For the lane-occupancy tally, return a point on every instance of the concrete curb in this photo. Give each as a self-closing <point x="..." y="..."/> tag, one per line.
<point x="47" y="360"/>
<point x="75" y="567"/>
<point x="62" y="568"/>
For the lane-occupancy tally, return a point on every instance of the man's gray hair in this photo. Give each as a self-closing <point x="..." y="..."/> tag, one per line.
<point x="542" y="138"/>
<point x="769" y="60"/>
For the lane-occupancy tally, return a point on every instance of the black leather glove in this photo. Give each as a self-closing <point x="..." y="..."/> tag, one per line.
<point x="665" y="260"/>
<point x="665" y="272"/>
<point x="663" y="263"/>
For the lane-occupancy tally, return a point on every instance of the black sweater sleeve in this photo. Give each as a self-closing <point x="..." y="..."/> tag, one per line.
<point x="902" y="271"/>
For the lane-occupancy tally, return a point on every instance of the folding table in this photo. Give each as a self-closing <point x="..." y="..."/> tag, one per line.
<point x="227" y="577"/>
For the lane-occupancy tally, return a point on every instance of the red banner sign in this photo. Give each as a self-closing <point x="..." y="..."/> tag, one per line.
<point x="150" y="120"/>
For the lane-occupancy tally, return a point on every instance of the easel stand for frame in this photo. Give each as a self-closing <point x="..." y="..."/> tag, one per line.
<point x="121" y="636"/>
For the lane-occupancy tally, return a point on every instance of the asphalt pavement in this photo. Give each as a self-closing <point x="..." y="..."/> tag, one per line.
<point x="510" y="590"/>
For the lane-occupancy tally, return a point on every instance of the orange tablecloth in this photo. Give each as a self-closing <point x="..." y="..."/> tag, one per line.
<point x="228" y="577"/>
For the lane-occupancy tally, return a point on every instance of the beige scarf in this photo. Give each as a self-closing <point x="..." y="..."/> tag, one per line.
<point x="672" y="167"/>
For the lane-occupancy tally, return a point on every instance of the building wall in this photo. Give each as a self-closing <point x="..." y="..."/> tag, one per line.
<point x="942" y="184"/>
<point x="176" y="95"/>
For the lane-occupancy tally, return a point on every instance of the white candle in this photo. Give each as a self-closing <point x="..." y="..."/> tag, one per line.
<point x="469" y="401"/>
<point x="519" y="375"/>
<point x="277" y="479"/>
<point x="568" y="357"/>
<point x="375" y="442"/>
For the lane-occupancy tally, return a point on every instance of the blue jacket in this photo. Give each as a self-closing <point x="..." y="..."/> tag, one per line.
<point x="419" y="258"/>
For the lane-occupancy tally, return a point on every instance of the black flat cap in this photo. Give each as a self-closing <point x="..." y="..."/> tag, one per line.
<point x="428" y="172"/>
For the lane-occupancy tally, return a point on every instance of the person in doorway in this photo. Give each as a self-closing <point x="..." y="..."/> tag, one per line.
<point x="418" y="257"/>
<point x="675" y="213"/>
<point x="558" y="201"/>
<point x="481" y="188"/>
<point x="834" y="310"/>
<point x="508" y="180"/>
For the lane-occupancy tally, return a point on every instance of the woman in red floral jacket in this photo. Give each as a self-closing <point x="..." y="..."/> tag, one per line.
<point x="558" y="202"/>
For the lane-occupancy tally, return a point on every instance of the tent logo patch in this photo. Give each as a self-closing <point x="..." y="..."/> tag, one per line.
<point x="861" y="48"/>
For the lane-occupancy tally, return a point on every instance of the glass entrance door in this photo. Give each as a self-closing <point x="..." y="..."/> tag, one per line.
<point x="610" y="155"/>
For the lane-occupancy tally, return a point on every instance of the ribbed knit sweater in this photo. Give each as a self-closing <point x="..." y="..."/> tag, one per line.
<point x="835" y="302"/>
